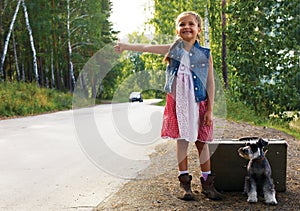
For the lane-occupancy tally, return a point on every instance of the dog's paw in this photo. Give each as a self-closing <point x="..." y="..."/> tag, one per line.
<point x="252" y="198"/>
<point x="270" y="199"/>
<point x="273" y="202"/>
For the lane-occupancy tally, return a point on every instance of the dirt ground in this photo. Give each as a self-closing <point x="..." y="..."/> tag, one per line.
<point x="157" y="187"/>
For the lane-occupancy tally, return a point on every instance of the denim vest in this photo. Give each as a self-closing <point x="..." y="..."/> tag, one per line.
<point x="199" y="63"/>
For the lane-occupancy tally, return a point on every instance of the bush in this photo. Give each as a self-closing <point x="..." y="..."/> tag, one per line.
<point x="22" y="99"/>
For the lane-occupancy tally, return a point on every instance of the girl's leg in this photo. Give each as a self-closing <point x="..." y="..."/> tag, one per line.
<point x="184" y="177"/>
<point x="207" y="179"/>
<point x="182" y="148"/>
<point x="204" y="156"/>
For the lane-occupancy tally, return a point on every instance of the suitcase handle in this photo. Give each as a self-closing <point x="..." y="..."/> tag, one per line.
<point x="248" y="138"/>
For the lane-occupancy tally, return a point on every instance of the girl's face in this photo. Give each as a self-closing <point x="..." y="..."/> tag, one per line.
<point x="188" y="28"/>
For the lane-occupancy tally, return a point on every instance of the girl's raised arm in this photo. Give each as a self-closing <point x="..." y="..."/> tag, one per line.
<point x="156" y="49"/>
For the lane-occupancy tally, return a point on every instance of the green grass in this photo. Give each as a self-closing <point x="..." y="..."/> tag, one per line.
<point x="295" y="125"/>
<point x="23" y="99"/>
<point x="237" y="111"/>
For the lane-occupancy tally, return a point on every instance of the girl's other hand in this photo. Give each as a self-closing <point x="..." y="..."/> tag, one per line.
<point x="208" y="118"/>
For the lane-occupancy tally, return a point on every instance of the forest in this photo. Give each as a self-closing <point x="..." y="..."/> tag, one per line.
<point x="47" y="42"/>
<point x="255" y="45"/>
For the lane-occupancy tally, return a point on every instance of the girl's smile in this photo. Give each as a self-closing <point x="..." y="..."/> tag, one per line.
<point x="188" y="28"/>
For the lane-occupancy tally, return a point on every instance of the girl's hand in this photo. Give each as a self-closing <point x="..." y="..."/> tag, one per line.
<point x="208" y="118"/>
<point x="119" y="48"/>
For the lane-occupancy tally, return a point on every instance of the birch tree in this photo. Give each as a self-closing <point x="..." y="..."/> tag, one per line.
<point x="8" y="37"/>
<point x="16" y="58"/>
<point x="206" y="27"/>
<point x="31" y="42"/>
<point x="71" y="67"/>
<point x="52" y="40"/>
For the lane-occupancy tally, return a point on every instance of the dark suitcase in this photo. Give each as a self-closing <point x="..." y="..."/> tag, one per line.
<point x="230" y="168"/>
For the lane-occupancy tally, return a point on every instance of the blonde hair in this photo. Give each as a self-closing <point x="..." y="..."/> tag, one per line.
<point x="196" y="15"/>
<point x="183" y="14"/>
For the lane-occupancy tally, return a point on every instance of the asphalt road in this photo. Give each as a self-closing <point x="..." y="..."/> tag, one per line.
<point x="73" y="160"/>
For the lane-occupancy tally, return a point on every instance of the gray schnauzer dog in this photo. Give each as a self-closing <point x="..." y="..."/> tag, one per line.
<point x="259" y="172"/>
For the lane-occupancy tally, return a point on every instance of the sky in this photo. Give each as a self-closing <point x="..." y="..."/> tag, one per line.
<point x="129" y="16"/>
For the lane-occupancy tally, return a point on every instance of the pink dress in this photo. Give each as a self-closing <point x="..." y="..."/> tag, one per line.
<point x="183" y="116"/>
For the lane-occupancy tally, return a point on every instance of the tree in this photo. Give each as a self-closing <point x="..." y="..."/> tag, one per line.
<point x="224" y="48"/>
<point x="62" y="35"/>
<point x="8" y="37"/>
<point x="71" y="67"/>
<point x="256" y="47"/>
<point x="262" y="44"/>
<point x="31" y="42"/>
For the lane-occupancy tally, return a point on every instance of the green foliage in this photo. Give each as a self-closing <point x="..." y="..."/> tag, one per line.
<point x="263" y="43"/>
<point x="262" y="40"/>
<point x="22" y="99"/>
<point x="295" y="125"/>
<point x="90" y="30"/>
<point x="153" y="94"/>
<point x="262" y="48"/>
<point x="241" y="112"/>
<point x="166" y="12"/>
<point x="134" y="72"/>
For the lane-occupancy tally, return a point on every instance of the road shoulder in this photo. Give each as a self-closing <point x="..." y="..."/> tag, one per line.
<point x="157" y="187"/>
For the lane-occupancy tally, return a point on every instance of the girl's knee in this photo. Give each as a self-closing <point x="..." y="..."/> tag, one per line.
<point x="200" y="145"/>
<point x="182" y="144"/>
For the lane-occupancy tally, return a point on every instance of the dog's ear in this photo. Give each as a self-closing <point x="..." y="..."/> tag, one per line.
<point x="261" y="142"/>
<point x="265" y="152"/>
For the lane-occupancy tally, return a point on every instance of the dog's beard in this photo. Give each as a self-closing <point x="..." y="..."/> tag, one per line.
<point x="255" y="155"/>
<point x="243" y="155"/>
<point x="246" y="152"/>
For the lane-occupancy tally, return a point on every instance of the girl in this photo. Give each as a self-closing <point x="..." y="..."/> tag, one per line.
<point x="190" y="97"/>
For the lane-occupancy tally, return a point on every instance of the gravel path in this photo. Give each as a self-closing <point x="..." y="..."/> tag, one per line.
<point x="157" y="187"/>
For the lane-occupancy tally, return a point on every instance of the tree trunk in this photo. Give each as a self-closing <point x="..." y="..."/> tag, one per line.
<point x="52" y="70"/>
<point x="2" y="8"/>
<point x="206" y="28"/>
<point x="224" y="51"/>
<point x="8" y="38"/>
<point x="70" y="63"/>
<point x="22" y="68"/>
<point x="35" y="69"/>
<point x="16" y="59"/>
<point x="55" y="66"/>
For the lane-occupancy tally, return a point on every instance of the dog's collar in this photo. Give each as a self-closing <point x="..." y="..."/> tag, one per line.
<point x="261" y="159"/>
